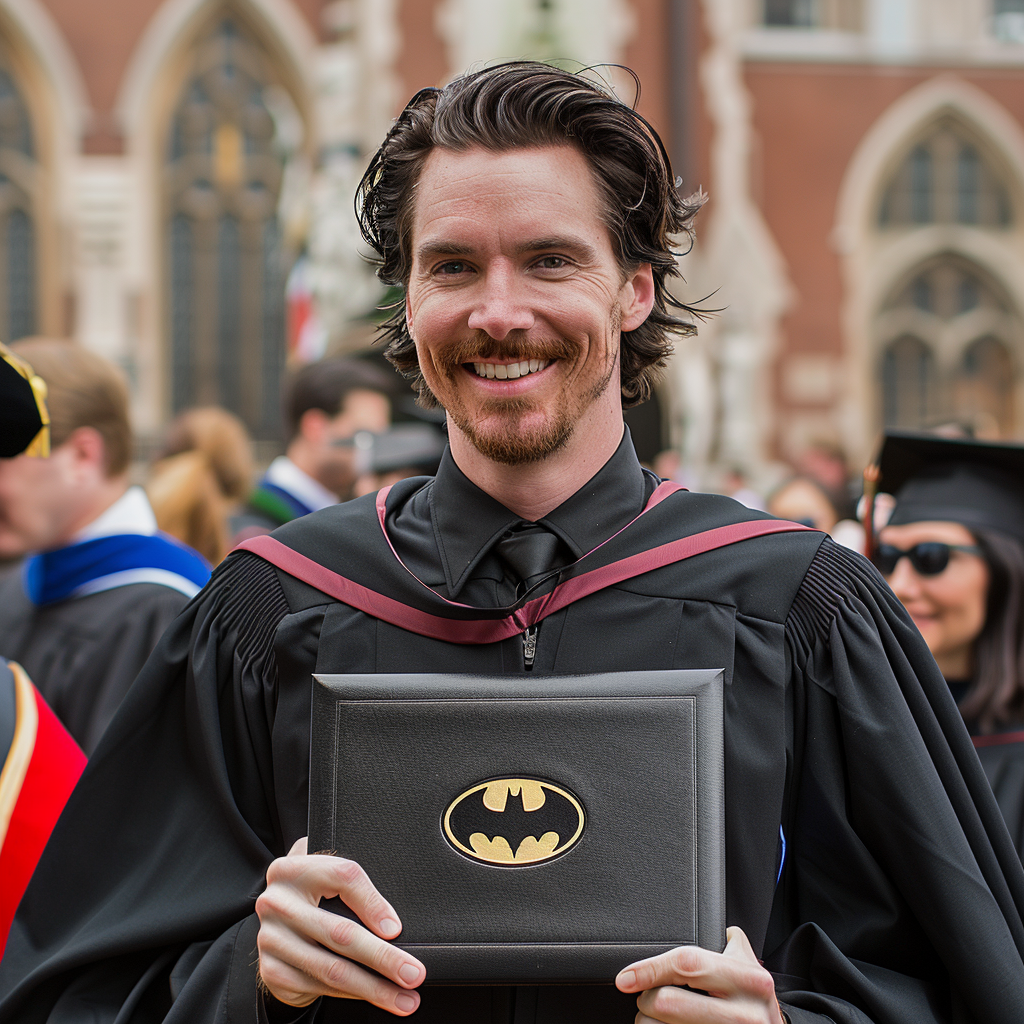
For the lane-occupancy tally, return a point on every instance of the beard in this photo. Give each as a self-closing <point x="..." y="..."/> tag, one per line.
<point x="500" y="430"/>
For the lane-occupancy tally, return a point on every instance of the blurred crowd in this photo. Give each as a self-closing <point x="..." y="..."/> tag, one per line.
<point x="942" y="519"/>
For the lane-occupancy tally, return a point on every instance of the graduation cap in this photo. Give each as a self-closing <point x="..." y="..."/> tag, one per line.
<point x="979" y="484"/>
<point x="24" y="420"/>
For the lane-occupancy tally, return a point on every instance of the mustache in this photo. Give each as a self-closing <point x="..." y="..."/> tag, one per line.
<point x="515" y="346"/>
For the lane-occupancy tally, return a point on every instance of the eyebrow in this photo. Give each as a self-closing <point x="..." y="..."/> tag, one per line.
<point x="432" y="250"/>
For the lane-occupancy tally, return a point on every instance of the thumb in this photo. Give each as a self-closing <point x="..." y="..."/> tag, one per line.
<point x="298" y="847"/>
<point x="738" y="946"/>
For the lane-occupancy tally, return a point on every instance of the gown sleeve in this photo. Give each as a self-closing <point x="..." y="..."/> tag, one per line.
<point x="901" y="894"/>
<point x="152" y="872"/>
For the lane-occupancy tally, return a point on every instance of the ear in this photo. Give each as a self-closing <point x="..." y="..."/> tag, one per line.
<point x="637" y="297"/>
<point x="313" y="424"/>
<point x="87" y="450"/>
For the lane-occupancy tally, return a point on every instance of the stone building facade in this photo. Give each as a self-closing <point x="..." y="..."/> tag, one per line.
<point x="168" y="168"/>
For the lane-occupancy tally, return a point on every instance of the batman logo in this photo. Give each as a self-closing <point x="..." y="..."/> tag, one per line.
<point x="510" y="822"/>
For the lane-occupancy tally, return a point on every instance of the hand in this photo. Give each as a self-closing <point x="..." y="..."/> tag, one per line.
<point x="743" y="990"/>
<point x="294" y="964"/>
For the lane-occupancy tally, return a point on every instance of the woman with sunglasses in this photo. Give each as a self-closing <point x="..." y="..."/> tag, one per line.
<point x="953" y="553"/>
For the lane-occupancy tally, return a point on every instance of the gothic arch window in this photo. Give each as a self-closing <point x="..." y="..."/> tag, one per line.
<point x="226" y="276"/>
<point x="908" y="382"/>
<point x="946" y="178"/>
<point x="18" y="169"/>
<point x="952" y="345"/>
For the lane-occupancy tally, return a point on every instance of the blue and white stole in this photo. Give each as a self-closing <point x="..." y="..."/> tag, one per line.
<point x="113" y="561"/>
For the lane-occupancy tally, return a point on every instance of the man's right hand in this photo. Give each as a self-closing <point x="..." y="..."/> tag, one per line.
<point x="306" y="952"/>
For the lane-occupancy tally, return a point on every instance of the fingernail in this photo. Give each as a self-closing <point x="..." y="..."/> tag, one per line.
<point x="389" y="925"/>
<point x="405" y="1002"/>
<point x="628" y="978"/>
<point x="409" y="973"/>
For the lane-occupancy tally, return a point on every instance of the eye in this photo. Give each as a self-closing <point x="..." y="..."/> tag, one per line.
<point x="552" y="263"/>
<point x="451" y="268"/>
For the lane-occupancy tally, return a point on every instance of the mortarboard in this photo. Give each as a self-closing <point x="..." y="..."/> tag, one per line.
<point x="977" y="483"/>
<point x="23" y="416"/>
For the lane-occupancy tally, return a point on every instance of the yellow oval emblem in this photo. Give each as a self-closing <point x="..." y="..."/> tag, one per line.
<point x="510" y="822"/>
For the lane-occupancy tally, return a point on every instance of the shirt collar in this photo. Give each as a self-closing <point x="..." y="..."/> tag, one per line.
<point x="131" y="513"/>
<point x="285" y="474"/>
<point x="467" y="521"/>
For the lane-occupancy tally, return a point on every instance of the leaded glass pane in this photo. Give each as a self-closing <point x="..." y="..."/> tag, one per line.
<point x="21" y="275"/>
<point x="223" y="178"/>
<point x="945" y="178"/>
<point x="908" y="383"/>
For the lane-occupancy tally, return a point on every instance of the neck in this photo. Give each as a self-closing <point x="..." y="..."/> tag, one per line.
<point x="534" y="489"/>
<point x="98" y="499"/>
<point x="958" y="664"/>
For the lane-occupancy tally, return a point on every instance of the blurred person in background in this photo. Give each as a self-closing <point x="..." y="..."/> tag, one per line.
<point x="401" y="451"/>
<point x="803" y="500"/>
<point x="953" y="553"/>
<point x="39" y="761"/>
<point x="83" y="612"/>
<point x="325" y="405"/>
<point x="826" y="464"/>
<point x="203" y="473"/>
<point x="736" y="486"/>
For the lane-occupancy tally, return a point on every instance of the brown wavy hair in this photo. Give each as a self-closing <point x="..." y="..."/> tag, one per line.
<point x="518" y="105"/>
<point x="995" y="697"/>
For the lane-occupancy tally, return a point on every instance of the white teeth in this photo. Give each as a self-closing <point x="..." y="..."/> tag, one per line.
<point x="509" y="371"/>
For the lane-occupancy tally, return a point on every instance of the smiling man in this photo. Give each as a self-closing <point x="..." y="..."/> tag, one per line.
<point x="530" y="216"/>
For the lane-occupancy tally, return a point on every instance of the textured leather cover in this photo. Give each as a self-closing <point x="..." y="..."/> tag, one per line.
<point x="608" y="788"/>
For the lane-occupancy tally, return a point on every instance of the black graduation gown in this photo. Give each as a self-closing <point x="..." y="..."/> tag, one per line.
<point x="1004" y="766"/>
<point x="84" y="653"/>
<point x="900" y="896"/>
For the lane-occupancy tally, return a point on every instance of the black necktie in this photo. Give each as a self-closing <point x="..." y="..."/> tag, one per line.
<point x="529" y="551"/>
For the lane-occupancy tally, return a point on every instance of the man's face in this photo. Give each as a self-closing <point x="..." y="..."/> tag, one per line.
<point x="361" y="410"/>
<point x="34" y="501"/>
<point x="515" y="298"/>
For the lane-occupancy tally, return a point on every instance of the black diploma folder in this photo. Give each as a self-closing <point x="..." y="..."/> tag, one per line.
<point x="528" y="829"/>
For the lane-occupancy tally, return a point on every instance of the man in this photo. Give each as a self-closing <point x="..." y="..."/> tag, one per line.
<point x="84" y="612"/>
<point x="39" y="762"/>
<point x="325" y="405"/>
<point x="528" y="215"/>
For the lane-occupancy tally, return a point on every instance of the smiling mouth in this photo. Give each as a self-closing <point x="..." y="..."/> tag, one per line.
<point x="509" y="371"/>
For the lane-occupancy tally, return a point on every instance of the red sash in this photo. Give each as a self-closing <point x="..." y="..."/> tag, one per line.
<point x="486" y="631"/>
<point x="40" y="772"/>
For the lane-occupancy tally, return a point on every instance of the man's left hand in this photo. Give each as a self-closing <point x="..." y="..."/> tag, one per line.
<point x="742" y="990"/>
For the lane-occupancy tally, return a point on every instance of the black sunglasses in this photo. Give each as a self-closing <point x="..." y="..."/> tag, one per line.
<point x="928" y="558"/>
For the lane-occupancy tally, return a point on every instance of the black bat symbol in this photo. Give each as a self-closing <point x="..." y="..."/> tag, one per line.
<point x="514" y="834"/>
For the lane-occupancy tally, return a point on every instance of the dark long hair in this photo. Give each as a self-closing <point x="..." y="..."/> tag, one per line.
<point x="518" y="105"/>
<point x="996" y="694"/>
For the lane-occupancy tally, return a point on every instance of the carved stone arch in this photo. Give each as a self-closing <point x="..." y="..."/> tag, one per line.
<point x="177" y="23"/>
<point x="874" y="259"/>
<point x="153" y="87"/>
<point x="44" y="76"/>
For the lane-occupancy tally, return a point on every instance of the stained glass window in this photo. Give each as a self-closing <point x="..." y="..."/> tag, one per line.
<point x="952" y="306"/>
<point x="944" y="179"/>
<point x="226" y="278"/>
<point x="908" y="383"/>
<point x="18" y="291"/>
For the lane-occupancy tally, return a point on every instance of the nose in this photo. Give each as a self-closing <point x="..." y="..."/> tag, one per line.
<point x="904" y="581"/>
<point x="501" y="304"/>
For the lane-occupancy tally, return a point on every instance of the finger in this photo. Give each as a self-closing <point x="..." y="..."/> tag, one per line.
<point x="299" y="847"/>
<point x="696" y="968"/>
<point x="291" y="928"/>
<point x="317" y="876"/>
<point x="671" y="1005"/>
<point x="738" y="946"/>
<point x="327" y="975"/>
